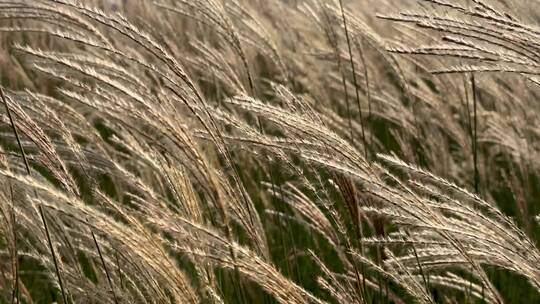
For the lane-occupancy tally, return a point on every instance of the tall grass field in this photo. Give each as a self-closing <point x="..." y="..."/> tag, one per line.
<point x="269" y="151"/>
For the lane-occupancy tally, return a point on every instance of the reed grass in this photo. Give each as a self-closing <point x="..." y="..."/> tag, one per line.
<point x="207" y="152"/>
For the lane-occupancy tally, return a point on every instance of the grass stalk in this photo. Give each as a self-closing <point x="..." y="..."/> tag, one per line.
<point x="355" y="81"/>
<point x="368" y="90"/>
<point x="27" y="166"/>
<point x="475" y="136"/>
<point x="15" y="292"/>
<point x="104" y="267"/>
<point x="332" y="38"/>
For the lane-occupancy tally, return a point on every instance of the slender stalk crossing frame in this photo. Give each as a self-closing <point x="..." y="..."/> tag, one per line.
<point x="41" y="213"/>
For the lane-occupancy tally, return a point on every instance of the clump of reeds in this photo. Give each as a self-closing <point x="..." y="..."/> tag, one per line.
<point x="242" y="151"/>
